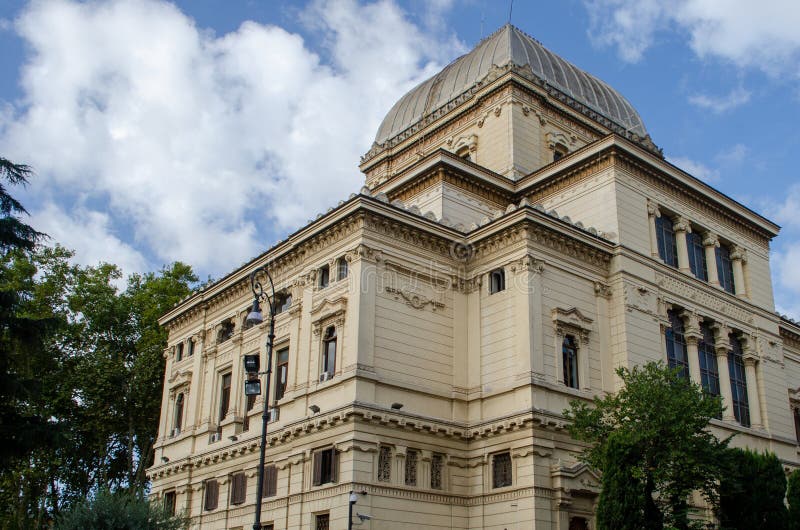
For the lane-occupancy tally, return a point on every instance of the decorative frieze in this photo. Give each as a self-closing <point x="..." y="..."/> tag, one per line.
<point x="711" y="300"/>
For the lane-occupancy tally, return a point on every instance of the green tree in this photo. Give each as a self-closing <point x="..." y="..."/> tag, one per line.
<point x="654" y="431"/>
<point x="793" y="499"/>
<point x="119" y="511"/>
<point x="751" y="492"/>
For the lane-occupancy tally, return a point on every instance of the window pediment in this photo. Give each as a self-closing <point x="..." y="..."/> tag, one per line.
<point x="328" y="311"/>
<point x="571" y="320"/>
<point x="577" y="478"/>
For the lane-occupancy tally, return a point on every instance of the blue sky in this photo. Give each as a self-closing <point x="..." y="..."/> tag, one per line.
<point x="206" y="130"/>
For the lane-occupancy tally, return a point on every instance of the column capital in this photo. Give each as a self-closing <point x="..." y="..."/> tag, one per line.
<point x="738" y="253"/>
<point x="710" y="239"/>
<point x="682" y="224"/>
<point x="750" y="359"/>
<point x="653" y="209"/>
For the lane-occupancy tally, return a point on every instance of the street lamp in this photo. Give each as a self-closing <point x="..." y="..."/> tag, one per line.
<point x="253" y="386"/>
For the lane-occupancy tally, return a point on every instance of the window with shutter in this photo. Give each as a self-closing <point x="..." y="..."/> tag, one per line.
<point x="211" y="495"/>
<point x="270" y="481"/>
<point x="169" y="502"/>
<point x="501" y="470"/>
<point x="411" y="467"/>
<point x="437" y="465"/>
<point x="322" y="521"/>
<point x="326" y="466"/>
<point x="385" y="464"/>
<point x="238" y="488"/>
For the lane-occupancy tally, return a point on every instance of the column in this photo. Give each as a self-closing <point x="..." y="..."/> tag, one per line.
<point x="750" y="358"/>
<point x="710" y="244"/>
<point x="681" y="228"/>
<point x="738" y="258"/>
<point x="652" y="213"/>
<point x="722" y="346"/>
<point x="693" y="336"/>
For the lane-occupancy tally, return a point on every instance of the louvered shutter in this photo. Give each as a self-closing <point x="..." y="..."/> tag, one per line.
<point x="317" y="474"/>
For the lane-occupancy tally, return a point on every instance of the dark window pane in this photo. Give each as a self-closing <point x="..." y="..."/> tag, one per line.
<point x="225" y="396"/>
<point x="665" y="238"/>
<point x="281" y="372"/>
<point x="725" y="269"/>
<point x="324" y="276"/>
<point x="569" y="352"/>
<point x="341" y="269"/>
<point x="709" y="373"/>
<point x="179" y="413"/>
<point x="497" y="281"/>
<point x="322" y="521"/>
<point x="325" y="467"/>
<point x="437" y="468"/>
<point x="676" y="344"/>
<point x="169" y="502"/>
<point x="697" y="256"/>
<point x="741" y="408"/>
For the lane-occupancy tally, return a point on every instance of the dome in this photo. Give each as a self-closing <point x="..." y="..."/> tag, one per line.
<point x="509" y="46"/>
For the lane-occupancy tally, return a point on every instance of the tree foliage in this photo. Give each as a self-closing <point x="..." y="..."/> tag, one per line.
<point x="81" y="370"/>
<point x="652" y="432"/>
<point x="793" y="499"/>
<point x="119" y="511"/>
<point x="751" y="492"/>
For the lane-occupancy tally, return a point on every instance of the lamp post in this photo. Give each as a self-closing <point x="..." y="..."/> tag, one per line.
<point x="255" y="316"/>
<point x="353" y="499"/>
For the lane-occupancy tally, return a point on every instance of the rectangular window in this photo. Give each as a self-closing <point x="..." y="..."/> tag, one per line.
<point x="270" y="481"/>
<point x="211" y="497"/>
<point x="411" y="467"/>
<point x="170" y="502"/>
<point x="191" y="348"/>
<point x="741" y="409"/>
<point x="225" y="331"/>
<point x="697" y="256"/>
<point x="326" y="464"/>
<point x="283" y="301"/>
<point x="709" y="372"/>
<point x="238" y="488"/>
<point x="179" y="352"/>
<point x="385" y="464"/>
<point x="569" y="352"/>
<point x="437" y="468"/>
<point x="665" y="238"/>
<point x="797" y="424"/>
<point x="725" y="269"/>
<point x="322" y="521"/>
<point x="677" y="356"/>
<point x="501" y="470"/>
<point x="281" y="372"/>
<point x="224" y="396"/>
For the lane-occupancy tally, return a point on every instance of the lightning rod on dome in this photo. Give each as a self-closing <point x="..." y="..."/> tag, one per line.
<point x="510" y="9"/>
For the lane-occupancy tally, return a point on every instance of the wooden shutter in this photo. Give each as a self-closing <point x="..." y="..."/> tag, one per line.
<point x="212" y="494"/>
<point x="238" y="488"/>
<point x="334" y="466"/>
<point x="270" y="481"/>
<point x="317" y="473"/>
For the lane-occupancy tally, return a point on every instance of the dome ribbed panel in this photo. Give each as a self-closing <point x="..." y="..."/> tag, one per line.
<point x="506" y="46"/>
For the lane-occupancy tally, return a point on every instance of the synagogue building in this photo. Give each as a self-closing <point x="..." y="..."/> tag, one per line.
<point x="519" y="236"/>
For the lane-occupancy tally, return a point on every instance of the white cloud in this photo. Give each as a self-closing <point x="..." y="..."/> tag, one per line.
<point x="91" y="236"/>
<point x="204" y="146"/>
<point x="762" y="35"/>
<point x="786" y="278"/>
<point x="720" y="104"/>
<point x="733" y="156"/>
<point x="696" y="169"/>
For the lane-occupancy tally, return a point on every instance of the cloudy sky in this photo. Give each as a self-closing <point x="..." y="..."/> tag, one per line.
<point x="205" y="130"/>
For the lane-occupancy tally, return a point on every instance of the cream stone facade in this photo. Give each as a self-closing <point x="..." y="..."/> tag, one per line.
<point x="506" y="254"/>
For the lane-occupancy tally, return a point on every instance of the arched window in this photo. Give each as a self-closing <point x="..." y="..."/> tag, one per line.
<point x="324" y="276"/>
<point x="283" y="301"/>
<point x="329" y="352"/>
<point x="341" y="268"/>
<point x="177" y="424"/>
<point x="569" y="350"/>
<point x="497" y="281"/>
<point x="225" y="331"/>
